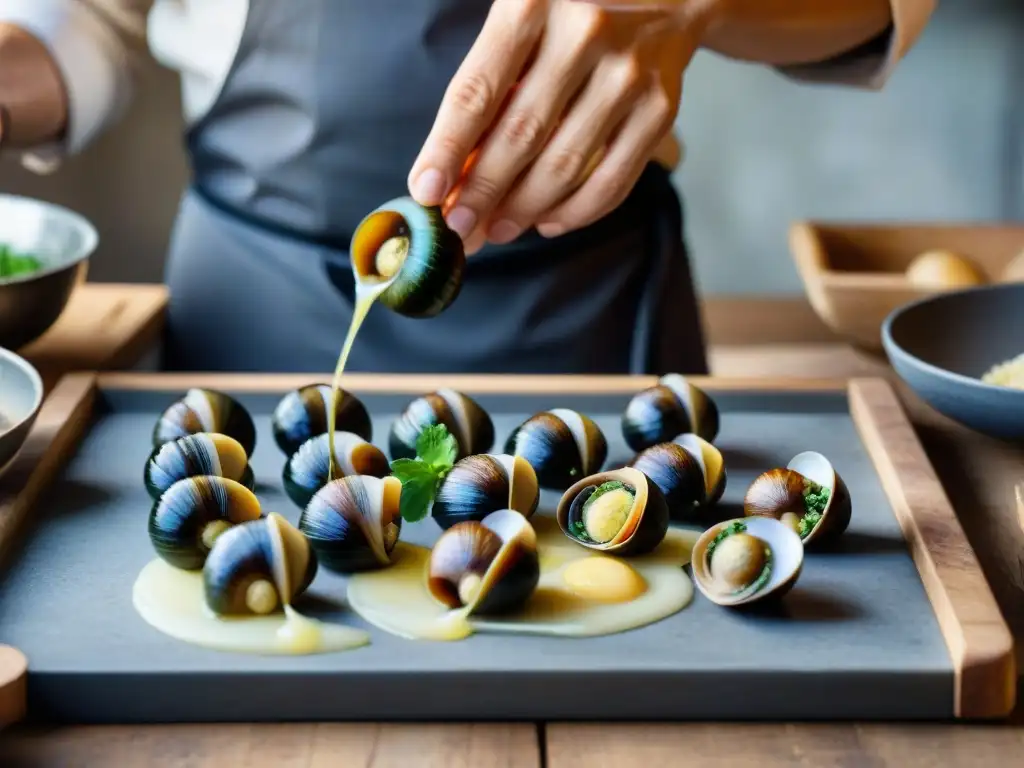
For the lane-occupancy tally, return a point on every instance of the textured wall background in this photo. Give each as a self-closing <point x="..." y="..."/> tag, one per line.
<point x="943" y="141"/>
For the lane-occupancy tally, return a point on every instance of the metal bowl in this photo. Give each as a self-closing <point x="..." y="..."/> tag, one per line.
<point x="63" y="241"/>
<point x="21" y="395"/>
<point x="942" y="346"/>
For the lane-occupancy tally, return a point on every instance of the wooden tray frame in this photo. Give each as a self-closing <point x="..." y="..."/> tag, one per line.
<point x="977" y="637"/>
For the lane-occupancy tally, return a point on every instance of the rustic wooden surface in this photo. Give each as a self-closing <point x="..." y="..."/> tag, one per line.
<point x="105" y="326"/>
<point x="978" y="475"/>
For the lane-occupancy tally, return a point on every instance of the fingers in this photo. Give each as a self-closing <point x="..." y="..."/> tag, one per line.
<point x="475" y="95"/>
<point x="618" y="82"/>
<point x="617" y="173"/>
<point x="572" y="46"/>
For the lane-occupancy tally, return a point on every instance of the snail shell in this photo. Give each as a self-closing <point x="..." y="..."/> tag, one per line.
<point x="672" y="407"/>
<point x="738" y="562"/>
<point x="308" y="469"/>
<point x="808" y="495"/>
<point x="204" y="453"/>
<point x="490" y="566"/>
<point x="561" y="445"/>
<point x="302" y="414"/>
<point x="353" y="523"/>
<point x="689" y="471"/>
<point x="188" y="518"/>
<point x="206" y="410"/>
<point x="257" y="568"/>
<point x="620" y="512"/>
<point x="479" y="485"/>
<point x="465" y="420"/>
<point x="411" y="250"/>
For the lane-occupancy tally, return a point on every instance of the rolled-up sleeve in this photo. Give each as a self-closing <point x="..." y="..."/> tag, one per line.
<point x="92" y="43"/>
<point x="871" y="65"/>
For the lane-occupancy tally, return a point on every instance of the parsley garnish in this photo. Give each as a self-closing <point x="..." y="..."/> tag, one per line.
<point x="815" y="500"/>
<point x="436" y="450"/>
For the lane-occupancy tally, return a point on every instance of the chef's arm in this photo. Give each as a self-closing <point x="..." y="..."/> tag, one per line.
<point x="66" y="70"/>
<point x="854" y="42"/>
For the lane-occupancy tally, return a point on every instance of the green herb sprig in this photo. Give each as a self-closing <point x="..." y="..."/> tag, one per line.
<point x="436" y="449"/>
<point x="13" y="264"/>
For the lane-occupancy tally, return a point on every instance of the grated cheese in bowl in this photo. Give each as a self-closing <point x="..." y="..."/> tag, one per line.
<point x="1007" y="374"/>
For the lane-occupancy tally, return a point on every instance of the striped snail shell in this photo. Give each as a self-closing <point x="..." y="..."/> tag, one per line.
<point x="408" y="253"/>
<point x="204" y="453"/>
<point x="463" y="417"/>
<point x="672" y="407"/>
<point x="308" y="470"/>
<point x="561" y="445"/>
<point x="257" y="568"/>
<point x="689" y="471"/>
<point x="302" y="414"/>
<point x="206" y="410"/>
<point x="481" y="484"/>
<point x="353" y="523"/>
<point x="188" y="518"/>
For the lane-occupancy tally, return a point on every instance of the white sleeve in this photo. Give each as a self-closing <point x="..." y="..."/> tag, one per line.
<point x="871" y="65"/>
<point x="93" y="43"/>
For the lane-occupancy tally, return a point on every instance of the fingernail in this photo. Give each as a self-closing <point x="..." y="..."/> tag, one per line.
<point x="550" y="230"/>
<point x="504" y="231"/>
<point x="462" y="220"/>
<point x="430" y="187"/>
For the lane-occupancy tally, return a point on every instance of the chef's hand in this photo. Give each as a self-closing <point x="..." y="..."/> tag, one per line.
<point x="553" y="115"/>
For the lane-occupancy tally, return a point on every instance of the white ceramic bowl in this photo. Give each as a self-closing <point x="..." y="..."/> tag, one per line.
<point x="21" y="396"/>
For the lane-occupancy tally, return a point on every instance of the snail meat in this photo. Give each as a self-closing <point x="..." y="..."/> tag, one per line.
<point x="738" y="562"/>
<point x="479" y="485"/>
<point x="302" y="414"/>
<point x="673" y="406"/>
<point x="353" y="523"/>
<point x="463" y="417"/>
<point x="689" y="471"/>
<point x="620" y="512"/>
<point x="411" y="250"/>
<point x="808" y="495"/>
<point x="308" y="469"/>
<point x="258" y="568"/>
<point x="204" y="453"/>
<point x="486" y="567"/>
<point x="188" y="518"/>
<point x="561" y="445"/>
<point x="206" y="410"/>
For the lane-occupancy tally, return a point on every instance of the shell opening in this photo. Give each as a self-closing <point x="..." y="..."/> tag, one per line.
<point x="738" y="561"/>
<point x="261" y="597"/>
<point x="380" y="246"/>
<point x="469" y="588"/>
<point x="212" y="531"/>
<point x="515" y="533"/>
<point x="605" y="510"/>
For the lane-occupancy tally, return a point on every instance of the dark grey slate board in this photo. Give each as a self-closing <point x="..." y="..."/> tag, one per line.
<point x="856" y="639"/>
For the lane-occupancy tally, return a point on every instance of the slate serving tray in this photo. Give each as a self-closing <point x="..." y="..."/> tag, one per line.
<point x="895" y="623"/>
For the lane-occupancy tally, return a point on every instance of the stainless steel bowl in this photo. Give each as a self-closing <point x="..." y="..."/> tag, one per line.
<point x="21" y="395"/>
<point x="63" y="241"/>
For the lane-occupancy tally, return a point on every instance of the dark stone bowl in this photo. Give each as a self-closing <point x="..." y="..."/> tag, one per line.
<point x="941" y="346"/>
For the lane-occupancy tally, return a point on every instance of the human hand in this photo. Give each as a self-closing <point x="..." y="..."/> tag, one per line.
<point x="553" y="115"/>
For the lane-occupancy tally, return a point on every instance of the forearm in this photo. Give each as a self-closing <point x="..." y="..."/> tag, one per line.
<point x="31" y="89"/>
<point x="785" y="32"/>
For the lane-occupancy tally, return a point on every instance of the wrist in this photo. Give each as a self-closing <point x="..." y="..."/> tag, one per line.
<point x="31" y="90"/>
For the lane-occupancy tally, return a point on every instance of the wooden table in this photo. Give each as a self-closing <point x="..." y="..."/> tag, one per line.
<point x="106" y="326"/>
<point x="978" y="475"/>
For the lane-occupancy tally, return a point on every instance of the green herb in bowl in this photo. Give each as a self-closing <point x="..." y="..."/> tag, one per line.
<point x="14" y="264"/>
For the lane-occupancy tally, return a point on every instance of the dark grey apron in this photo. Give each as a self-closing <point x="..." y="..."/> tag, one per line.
<point x="319" y="121"/>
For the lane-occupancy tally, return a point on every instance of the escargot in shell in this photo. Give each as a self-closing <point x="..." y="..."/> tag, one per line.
<point x="303" y="414"/>
<point x="738" y="562"/>
<point x="484" y="483"/>
<point x="490" y="566"/>
<point x="204" y="453"/>
<point x="308" y="469"/>
<point x="257" y="568"/>
<point x="206" y="410"/>
<point x="620" y="512"/>
<point x="689" y="471"/>
<point x="192" y="513"/>
<point x="353" y="523"/>
<point x="808" y="495"/>
<point x="671" y="407"/>
<point x="465" y="420"/>
<point x="409" y="254"/>
<point x="561" y="445"/>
